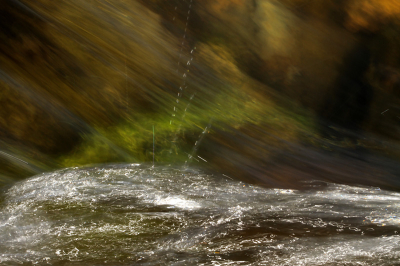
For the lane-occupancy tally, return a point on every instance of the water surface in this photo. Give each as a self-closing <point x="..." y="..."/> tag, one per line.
<point x="136" y="214"/>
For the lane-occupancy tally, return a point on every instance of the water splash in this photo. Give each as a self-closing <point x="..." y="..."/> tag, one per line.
<point x="136" y="214"/>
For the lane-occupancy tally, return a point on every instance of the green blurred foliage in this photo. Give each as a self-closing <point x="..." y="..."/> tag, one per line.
<point x="86" y="82"/>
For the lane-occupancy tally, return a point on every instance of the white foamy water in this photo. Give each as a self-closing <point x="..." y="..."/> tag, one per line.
<point x="133" y="214"/>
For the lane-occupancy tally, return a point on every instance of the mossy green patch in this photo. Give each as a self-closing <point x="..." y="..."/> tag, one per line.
<point x="175" y="136"/>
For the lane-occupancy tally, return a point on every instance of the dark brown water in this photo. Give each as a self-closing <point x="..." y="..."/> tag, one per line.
<point x="135" y="214"/>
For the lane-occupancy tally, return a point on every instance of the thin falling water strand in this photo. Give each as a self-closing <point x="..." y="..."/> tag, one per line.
<point x="183" y="86"/>
<point x="197" y="144"/>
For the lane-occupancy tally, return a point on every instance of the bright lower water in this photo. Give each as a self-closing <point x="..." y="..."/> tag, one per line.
<point x="135" y="214"/>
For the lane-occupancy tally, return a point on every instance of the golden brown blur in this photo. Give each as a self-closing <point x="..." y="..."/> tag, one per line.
<point x="272" y="92"/>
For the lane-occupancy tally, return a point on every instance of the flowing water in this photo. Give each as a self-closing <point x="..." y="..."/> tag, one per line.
<point x="137" y="214"/>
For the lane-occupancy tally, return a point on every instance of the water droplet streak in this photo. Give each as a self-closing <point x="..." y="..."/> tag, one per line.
<point x="197" y="143"/>
<point x="184" y="75"/>
<point x="184" y="72"/>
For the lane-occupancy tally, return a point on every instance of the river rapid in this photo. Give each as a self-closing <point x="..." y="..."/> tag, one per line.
<point x="143" y="215"/>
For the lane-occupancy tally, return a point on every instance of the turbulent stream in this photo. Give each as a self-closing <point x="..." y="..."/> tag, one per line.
<point x="139" y="215"/>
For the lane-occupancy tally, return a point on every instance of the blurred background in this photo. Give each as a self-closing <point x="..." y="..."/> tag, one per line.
<point x="269" y="92"/>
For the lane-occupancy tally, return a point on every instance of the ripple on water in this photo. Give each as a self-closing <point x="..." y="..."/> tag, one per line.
<point x="124" y="214"/>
